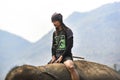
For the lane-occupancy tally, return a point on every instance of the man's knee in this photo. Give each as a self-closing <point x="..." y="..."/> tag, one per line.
<point x="70" y="65"/>
<point x="71" y="68"/>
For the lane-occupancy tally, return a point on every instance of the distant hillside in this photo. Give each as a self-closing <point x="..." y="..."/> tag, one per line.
<point x="97" y="33"/>
<point x="40" y="52"/>
<point x="96" y="36"/>
<point x="11" y="44"/>
<point x="11" y="49"/>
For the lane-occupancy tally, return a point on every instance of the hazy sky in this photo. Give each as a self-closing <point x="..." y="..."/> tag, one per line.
<point x="31" y="19"/>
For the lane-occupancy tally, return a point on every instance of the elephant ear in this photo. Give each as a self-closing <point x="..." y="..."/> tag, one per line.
<point x="47" y="76"/>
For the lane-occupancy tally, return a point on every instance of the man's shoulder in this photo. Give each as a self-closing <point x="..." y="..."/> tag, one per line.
<point x="67" y="28"/>
<point x="69" y="32"/>
<point x="54" y="33"/>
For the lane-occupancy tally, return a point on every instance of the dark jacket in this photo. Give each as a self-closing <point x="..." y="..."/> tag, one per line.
<point x="62" y="42"/>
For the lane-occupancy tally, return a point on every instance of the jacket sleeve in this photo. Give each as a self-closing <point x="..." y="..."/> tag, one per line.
<point x="53" y="45"/>
<point x="69" y="42"/>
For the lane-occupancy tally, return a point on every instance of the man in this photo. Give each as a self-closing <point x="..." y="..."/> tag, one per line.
<point x="62" y="45"/>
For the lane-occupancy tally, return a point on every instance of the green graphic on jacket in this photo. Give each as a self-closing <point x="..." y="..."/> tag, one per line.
<point x="60" y="42"/>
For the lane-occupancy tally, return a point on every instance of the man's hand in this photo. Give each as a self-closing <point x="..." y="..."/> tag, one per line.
<point x="59" y="59"/>
<point x="53" y="59"/>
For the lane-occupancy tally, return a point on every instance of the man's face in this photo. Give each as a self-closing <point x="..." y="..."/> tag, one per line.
<point x="56" y="24"/>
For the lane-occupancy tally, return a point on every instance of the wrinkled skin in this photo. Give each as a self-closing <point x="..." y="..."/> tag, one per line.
<point x="87" y="71"/>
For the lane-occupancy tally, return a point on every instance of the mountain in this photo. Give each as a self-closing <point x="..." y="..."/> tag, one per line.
<point x="40" y="52"/>
<point x="96" y="36"/>
<point x="97" y="33"/>
<point x="11" y="44"/>
<point x="11" y="49"/>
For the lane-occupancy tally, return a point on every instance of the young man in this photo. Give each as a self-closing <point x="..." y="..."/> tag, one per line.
<point x="62" y="45"/>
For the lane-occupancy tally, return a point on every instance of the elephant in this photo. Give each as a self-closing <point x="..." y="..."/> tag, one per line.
<point x="57" y="71"/>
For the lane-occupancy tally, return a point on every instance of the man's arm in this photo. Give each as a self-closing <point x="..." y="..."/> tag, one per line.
<point x="53" y="45"/>
<point x="53" y="50"/>
<point x="69" y="40"/>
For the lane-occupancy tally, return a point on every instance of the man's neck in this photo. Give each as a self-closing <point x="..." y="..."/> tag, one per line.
<point x="59" y="28"/>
